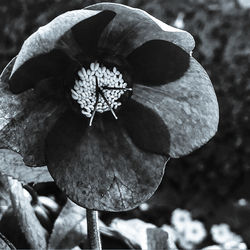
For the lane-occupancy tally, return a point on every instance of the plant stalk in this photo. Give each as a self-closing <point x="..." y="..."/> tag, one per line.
<point x="93" y="230"/>
<point x="7" y="242"/>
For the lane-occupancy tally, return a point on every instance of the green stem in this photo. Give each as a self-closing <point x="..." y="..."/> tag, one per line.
<point x="93" y="230"/>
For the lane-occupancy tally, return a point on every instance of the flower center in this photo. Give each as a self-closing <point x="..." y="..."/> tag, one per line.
<point x="98" y="89"/>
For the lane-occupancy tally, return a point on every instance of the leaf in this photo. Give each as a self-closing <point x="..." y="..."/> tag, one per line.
<point x="70" y="227"/>
<point x="134" y="231"/>
<point x="157" y="239"/>
<point x="11" y="164"/>
<point x="34" y="233"/>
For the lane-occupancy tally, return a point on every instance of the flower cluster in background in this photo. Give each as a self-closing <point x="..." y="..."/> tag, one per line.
<point x="226" y="239"/>
<point x="189" y="234"/>
<point x="184" y="231"/>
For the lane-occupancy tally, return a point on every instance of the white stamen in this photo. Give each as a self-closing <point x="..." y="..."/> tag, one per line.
<point x="98" y="90"/>
<point x="96" y="66"/>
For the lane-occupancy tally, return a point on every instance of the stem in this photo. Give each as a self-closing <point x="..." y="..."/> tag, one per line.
<point x="8" y="243"/>
<point x="33" y="194"/>
<point x="93" y="230"/>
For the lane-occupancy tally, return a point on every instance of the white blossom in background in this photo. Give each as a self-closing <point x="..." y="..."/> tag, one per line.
<point x="144" y="207"/>
<point x="213" y="247"/>
<point x="234" y="245"/>
<point x="221" y="233"/>
<point x="180" y="218"/>
<point x="242" y="246"/>
<point x="135" y="230"/>
<point x="242" y="202"/>
<point x="245" y="4"/>
<point x="235" y="242"/>
<point x="186" y="244"/>
<point x="195" y="232"/>
<point x="179" y="22"/>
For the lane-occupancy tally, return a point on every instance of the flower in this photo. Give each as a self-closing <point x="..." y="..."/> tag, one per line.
<point x="195" y="232"/>
<point x="185" y="244"/>
<point x="180" y="218"/>
<point x="221" y="233"/>
<point x="230" y="245"/>
<point x="213" y="247"/>
<point x="103" y="96"/>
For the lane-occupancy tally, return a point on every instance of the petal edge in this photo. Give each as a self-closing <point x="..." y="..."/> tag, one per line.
<point x="188" y="107"/>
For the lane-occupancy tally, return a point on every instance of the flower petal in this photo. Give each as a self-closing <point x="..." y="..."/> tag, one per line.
<point x="88" y="31"/>
<point x="157" y="62"/>
<point x="146" y="128"/>
<point x="11" y="164"/>
<point x="187" y="106"/>
<point x="46" y="37"/>
<point x="133" y="27"/>
<point x="25" y="120"/>
<point x="52" y="64"/>
<point x="99" y="167"/>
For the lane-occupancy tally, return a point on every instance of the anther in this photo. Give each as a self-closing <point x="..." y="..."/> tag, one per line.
<point x="98" y="90"/>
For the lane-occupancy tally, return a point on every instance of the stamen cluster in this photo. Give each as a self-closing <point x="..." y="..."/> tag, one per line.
<point x="98" y="90"/>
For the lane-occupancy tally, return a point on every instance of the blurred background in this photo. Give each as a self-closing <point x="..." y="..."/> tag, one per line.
<point x="213" y="183"/>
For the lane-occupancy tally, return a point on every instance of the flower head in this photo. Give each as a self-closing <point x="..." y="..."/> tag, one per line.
<point x="195" y="232"/>
<point x="221" y="233"/>
<point x="213" y="247"/>
<point x="180" y="218"/>
<point x="103" y="96"/>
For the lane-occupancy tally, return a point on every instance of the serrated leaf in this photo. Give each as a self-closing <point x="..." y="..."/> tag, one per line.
<point x="34" y="233"/>
<point x="70" y="227"/>
<point x="11" y="164"/>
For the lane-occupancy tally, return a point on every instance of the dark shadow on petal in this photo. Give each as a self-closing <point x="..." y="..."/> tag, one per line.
<point x="188" y="107"/>
<point x="146" y="128"/>
<point x="99" y="167"/>
<point x="88" y="31"/>
<point x="52" y="64"/>
<point x="133" y="27"/>
<point x="158" y="62"/>
<point x="51" y="88"/>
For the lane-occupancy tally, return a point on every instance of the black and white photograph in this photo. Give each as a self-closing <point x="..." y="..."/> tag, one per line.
<point x="125" y="124"/>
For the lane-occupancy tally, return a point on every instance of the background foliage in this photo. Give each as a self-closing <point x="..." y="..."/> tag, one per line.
<point x="213" y="181"/>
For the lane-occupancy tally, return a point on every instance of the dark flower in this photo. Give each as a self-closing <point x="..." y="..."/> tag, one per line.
<point x="107" y="57"/>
